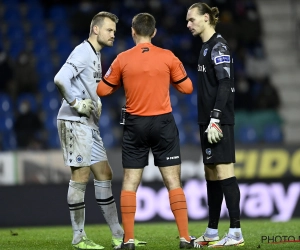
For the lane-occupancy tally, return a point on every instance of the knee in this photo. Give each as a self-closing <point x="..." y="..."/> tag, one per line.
<point x="172" y="183"/>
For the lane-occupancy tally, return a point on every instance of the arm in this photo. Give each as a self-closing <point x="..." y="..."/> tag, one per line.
<point x="111" y="81"/>
<point x="62" y="81"/>
<point x="105" y="88"/>
<point x="179" y="78"/>
<point x="222" y="94"/>
<point x="184" y="86"/>
<point x="221" y="58"/>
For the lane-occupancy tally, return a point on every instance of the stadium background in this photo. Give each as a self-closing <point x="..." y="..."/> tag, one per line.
<point x="37" y="36"/>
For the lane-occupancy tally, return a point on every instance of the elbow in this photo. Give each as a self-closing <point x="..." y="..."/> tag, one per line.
<point x="189" y="87"/>
<point x="190" y="90"/>
<point x="57" y="80"/>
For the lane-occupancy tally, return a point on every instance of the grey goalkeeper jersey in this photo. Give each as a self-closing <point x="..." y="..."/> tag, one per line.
<point x="85" y="64"/>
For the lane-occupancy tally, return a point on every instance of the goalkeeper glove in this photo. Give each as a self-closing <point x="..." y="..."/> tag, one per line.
<point x="214" y="131"/>
<point x="99" y="108"/>
<point x="83" y="107"/>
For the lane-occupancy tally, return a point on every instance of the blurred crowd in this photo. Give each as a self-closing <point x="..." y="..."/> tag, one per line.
<point x="37" y="36"/>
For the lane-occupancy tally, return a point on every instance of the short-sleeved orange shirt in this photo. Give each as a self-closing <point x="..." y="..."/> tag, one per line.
<point x="146" y="71"/>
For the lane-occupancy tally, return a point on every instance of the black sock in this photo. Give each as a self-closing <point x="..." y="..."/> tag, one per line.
<point x="214" y="199"/>
<point x="231" y="192"/>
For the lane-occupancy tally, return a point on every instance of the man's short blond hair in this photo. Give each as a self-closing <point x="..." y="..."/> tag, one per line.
<point x="98" y="19"/>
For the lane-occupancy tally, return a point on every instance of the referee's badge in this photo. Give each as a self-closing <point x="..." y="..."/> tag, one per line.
<point x="108" y="72"/>
<point x="205" y="51"/>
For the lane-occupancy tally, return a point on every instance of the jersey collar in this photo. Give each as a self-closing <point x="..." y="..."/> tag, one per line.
<point x="91" y="46"/>
<point x="212" y="37"/>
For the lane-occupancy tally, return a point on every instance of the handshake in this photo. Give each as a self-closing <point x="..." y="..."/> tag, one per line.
<point x="214" y="131"/>
<point x="86" y="106"/>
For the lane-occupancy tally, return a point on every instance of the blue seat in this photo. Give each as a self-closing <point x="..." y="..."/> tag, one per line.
<point x="47" y="87"/>
<point x="41" y="49"/>
<point x="35" y="13"/>
<point x="8" y="141"/>
<point x="51" y="103"/>
<point x="10" y="2"/>
<point x="247" y="134"/>
<point x="57" y="13"/>
<point x="38" y="32"/>
<point x="177" y="116"/>
<point x="16" y="48"/>
<point x="6" y="122"/>
<point x="11" y="13"/>
<point x="44" y="66"/>
<point x="183" y="137"/>
<point x="50" y="120"/>
<point x="272" y="133"/>
<point x="53" y="139"/>
<point x="30" y="98"/>
<point x="108" y="138"/>
<point x="105" y="120"/>
<point x="61" y="32"/>
<point x="6" y="104"/>
<point x="15" y="32"/>
<point x="64" y="48"/>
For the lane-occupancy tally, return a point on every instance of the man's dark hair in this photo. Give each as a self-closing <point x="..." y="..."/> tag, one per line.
<point x="144" y="24"/>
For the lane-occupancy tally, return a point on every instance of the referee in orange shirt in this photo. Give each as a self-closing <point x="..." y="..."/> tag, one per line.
<point x="146" y="72"/>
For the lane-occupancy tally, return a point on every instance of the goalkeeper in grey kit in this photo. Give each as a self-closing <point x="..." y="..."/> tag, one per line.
<point x="216" y="123"/>
<point x="78" y="129"/>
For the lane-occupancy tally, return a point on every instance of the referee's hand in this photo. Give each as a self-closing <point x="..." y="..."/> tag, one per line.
<point x="214" y="131"/>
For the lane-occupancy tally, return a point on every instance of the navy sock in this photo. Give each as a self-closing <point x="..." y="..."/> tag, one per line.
<point x="231" y="192"/>
<point x="214" y="199"/>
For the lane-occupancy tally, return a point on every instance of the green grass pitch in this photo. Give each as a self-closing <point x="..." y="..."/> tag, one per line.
<point x="160" y="236"/>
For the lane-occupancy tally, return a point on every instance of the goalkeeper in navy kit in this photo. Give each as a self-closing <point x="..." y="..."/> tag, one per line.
<point x="216" y="122"/>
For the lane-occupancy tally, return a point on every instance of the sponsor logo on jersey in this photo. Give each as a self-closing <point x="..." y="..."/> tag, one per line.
<point x="205" y="52"/>
<point x="145" y="49"/>
<point x="222" y="59"/>
<point x="97" y="75"/>
<point x="108" y="72"/>
<point x="201" y="68"/>
<point x="73" y="65"/>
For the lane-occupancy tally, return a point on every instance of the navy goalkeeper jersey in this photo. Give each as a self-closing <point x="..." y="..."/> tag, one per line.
<point x="215" y="63"/>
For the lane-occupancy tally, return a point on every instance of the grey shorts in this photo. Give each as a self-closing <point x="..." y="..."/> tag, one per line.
<point x="82" y="146"/>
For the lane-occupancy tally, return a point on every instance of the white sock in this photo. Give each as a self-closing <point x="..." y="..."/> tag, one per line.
<point x="211" y="231"/>
<point x="237" y="232"/>
<point x="77" y="209"/>
<point x="106" y="202"/>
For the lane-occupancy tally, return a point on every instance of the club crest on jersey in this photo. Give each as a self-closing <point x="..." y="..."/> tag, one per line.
<point x="79" y="158"/>
<point x="208" y="151"/>
<point x="222" y="59"/>
<point x="205" y="52"/>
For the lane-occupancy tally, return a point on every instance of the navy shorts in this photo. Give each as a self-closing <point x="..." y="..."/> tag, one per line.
<point x="218" y="153"/>
<point x="158" y="133"/>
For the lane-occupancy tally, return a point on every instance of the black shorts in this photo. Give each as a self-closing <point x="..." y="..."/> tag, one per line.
<point x="221" y="152"/>
<point x="158" y="133"/>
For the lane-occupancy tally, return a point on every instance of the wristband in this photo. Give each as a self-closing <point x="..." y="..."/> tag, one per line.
<point x="216" y="114"/>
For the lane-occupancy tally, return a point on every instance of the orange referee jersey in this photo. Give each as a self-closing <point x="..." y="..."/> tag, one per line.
<point x="146" y="71"/>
